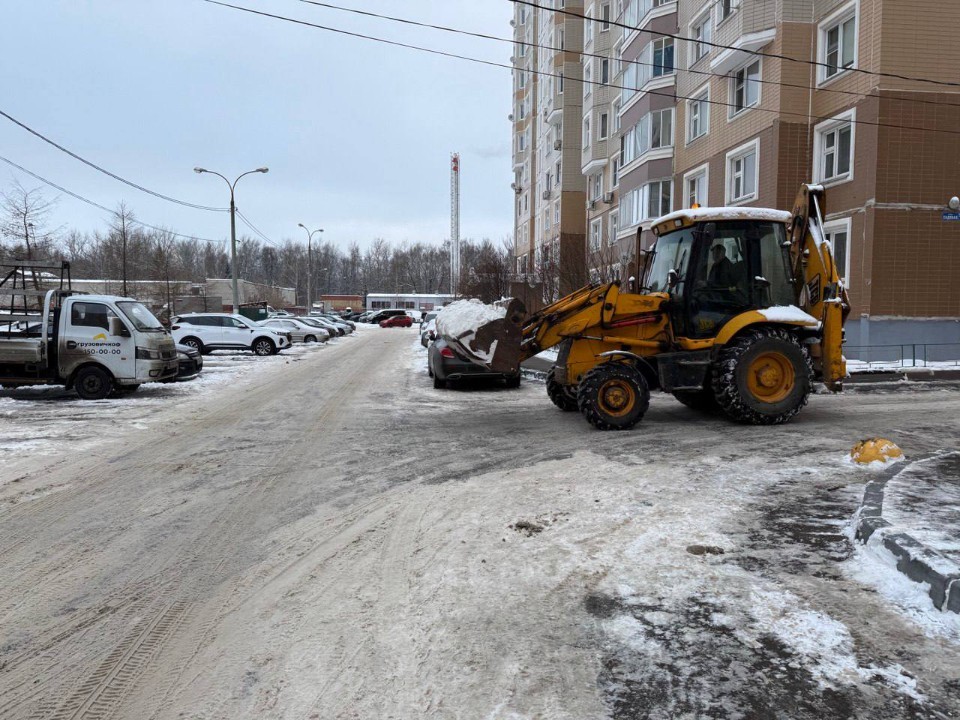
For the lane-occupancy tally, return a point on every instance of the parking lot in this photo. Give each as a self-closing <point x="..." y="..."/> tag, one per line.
<point x="322" y="534"/>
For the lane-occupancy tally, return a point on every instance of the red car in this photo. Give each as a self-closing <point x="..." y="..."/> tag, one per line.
<point x="397" y="321"/>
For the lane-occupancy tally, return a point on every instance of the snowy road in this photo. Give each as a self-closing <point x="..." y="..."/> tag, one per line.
<point x="327" y="536"/>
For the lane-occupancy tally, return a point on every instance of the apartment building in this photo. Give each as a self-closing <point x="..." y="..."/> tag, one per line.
<point x="749" y="129"/>
<point x="548" y="185"/>
<point x="600" y="145"/>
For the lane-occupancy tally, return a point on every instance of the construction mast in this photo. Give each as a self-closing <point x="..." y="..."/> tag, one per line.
<point x="455" y="224"/>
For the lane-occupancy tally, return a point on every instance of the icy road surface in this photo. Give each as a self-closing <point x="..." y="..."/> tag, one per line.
<point x="324" y="535"/>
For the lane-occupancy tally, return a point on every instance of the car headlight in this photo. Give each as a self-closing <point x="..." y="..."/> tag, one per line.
<point x="147" y="354"/>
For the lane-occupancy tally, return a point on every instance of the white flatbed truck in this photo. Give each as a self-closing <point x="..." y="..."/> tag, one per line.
<point x="96" y="344"/>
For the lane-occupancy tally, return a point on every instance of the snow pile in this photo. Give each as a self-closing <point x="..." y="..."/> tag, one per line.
<point x="462" y="318"/>
<point x="788" y="314"/>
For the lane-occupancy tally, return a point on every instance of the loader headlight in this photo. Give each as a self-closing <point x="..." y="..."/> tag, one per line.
<point x="147" y="354"/>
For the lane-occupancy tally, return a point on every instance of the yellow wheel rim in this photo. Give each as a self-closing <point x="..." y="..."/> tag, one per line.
<point x="770" y="377"/>
<point x="616" y="398"/>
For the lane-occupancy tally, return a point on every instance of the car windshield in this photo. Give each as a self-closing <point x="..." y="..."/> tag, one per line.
<point x="142" y="319"/>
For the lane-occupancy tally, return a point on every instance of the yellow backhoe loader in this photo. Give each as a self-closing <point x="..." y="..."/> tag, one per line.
<point x="738" y="310"/>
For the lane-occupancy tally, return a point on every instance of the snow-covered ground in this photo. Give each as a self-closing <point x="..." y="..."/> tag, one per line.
<point x="338" y="539"/>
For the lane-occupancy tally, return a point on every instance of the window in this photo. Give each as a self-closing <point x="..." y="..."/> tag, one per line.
<point x="560" y="84"/>
<point x="616" y="115"/>
<point x="556" y="214"/>
<point x="654" y="131"/>
<point x="596" y="234"/>
<point x="695" y="186"/>
<point x="837" y="233"/>
<point x="88" y="314"/>
<point x="596" y="186"/>
<point x="833" y="149"/>
<point x="727" y="8"/>
<point x="614" y="217"/>
<point x="745" y="87"/>
<point x="698" y="116"/>
<point x="587" y="79"/>
<point x="658" y="198"/>
<point x="742" y="173"/>
<point x="615" y="180"/>
<point x="662" y="57"/>
<point x="604" y="17"/>
<point x="605" y="71"/>
<point x="604" y="126"/>
<point x="838" y="45"/>
<point x="702" y="34"/>
<point x="586" y="132"/>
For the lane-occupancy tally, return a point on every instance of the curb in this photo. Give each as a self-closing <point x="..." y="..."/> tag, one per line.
<point x="914" y="559"/>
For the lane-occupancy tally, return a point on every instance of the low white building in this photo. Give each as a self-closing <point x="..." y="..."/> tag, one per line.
<point x="407" y="301"/>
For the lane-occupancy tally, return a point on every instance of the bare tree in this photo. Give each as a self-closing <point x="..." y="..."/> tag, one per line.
<point x="25" y="216"/>
<point x="123" y="219"/>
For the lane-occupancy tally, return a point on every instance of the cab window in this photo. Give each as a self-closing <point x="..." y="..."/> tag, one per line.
<point x="86" y="314"/>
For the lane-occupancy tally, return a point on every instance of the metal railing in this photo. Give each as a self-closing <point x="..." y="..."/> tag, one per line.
<point x="907" y="355"/>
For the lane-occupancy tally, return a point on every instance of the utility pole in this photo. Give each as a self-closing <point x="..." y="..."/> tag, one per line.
<point x="454" y="223"/>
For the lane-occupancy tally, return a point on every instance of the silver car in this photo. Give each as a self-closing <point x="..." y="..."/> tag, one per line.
<point x="299" y="331"/>
<point x="334" y="329"/>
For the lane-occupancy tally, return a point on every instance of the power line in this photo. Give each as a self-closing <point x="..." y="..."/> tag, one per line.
<point x="484" y="36"/>
<point x="72" y="154"/>
<point x="254" y="229"/>
<point x="757" y="53"/>
<point x="541" y="73"/>
<point x="607" y="57"/>
<point x="98" y="205"/>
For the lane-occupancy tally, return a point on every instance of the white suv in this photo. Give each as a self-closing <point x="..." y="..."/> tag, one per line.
<point x="225" y="331"/>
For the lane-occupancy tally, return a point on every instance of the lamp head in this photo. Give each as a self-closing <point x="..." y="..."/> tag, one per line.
<point x="199" y="170"/>
<point x="263" y="170"/>
<point x="302" y="225"/>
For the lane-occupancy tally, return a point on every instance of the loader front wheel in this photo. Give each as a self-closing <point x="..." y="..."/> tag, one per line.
<point x="613" y="396"/>
<point x="763" y="377"/>
<point x="558" y="393"/>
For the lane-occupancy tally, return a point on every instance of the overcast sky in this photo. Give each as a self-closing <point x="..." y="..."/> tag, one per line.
<point x="357" y="135"/>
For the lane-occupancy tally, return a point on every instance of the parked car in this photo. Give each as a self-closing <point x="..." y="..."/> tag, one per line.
<point x="339" y="322"/>
<point x="299" y="331"/>
<point x="226" y="331"/>
<point x="446" y="366"/>
<point x="384" y="314"/>
<point x="397" y="321"/>
<point x="324" y="324"/>
<point x="190" y="363"/>
<point x="428" y="332"/>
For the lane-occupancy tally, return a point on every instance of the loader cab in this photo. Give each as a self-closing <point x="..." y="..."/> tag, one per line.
<point x="716" y="269"/>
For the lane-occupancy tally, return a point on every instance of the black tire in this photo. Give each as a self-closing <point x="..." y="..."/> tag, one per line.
<point x="613" y="396"/>
<point x="263" y="347"/>
<point x="700" y="400"/>
<point x="763" y="377"/>
<point x="93" y="383"/>
<point x="438" y="384"/>
<point x="195" y="343"/>
<point x="558" y="393"/>
<point x="310" y="339"/>
<point x="513" y="381"/>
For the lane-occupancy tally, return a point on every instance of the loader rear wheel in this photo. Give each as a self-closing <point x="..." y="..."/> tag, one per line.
<point x="763" y="377"/>
<point x="559" y="395"/>
<point x="613" y="396"/>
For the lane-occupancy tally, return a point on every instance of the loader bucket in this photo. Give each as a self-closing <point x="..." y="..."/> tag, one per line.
<point x="496" y="344"/>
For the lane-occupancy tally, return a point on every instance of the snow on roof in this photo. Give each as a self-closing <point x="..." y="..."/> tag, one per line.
<point x="727" y="213"/>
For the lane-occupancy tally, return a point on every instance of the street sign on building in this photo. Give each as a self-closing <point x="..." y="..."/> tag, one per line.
<point x="951" y="216"/>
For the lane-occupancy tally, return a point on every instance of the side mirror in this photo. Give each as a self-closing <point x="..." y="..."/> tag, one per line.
<point x="673" y="278"/>
<point x="117" y="328"/>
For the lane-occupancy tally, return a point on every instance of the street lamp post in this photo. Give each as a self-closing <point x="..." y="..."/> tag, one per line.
<point x="233" y="227"/>
<point x="309" y="265"/>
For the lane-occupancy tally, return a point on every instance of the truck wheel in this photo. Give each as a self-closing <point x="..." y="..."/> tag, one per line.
<point x="93" y="383"/>
<point x="194" y="343"/>
<point x="763" y="377"/>
<point x="558" y="394"/>
<point x="613" y="396"/>
<point x="264" y="347"/>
